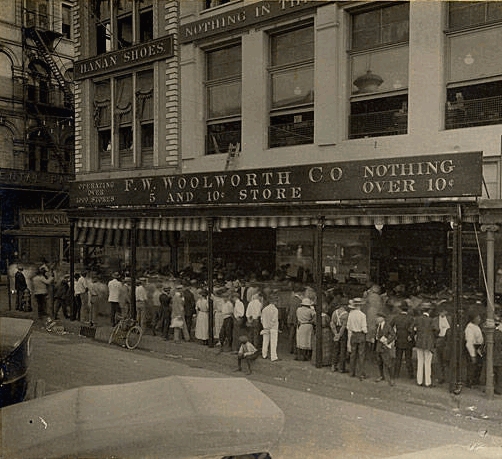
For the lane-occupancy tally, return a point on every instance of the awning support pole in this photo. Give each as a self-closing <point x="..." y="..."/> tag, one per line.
<point x="457" y="303"/>
<point x="134" y="242"/>
<point x="210" y="277"/>
<point x="318" y="306"/>
<point x="72" y="267"/>
<point x="490" y="307"/>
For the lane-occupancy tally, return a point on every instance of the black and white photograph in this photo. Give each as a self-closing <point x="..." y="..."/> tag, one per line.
<point x="250" y="229"/>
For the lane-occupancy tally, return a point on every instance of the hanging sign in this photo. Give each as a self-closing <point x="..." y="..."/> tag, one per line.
<point x="454" y="175"/>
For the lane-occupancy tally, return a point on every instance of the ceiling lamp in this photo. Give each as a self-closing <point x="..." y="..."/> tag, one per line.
<point x="369" y="82"/>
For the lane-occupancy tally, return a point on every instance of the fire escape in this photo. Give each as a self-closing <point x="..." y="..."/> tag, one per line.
<point x="47" y="97"/>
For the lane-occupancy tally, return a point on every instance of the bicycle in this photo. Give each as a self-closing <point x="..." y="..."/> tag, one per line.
<point x="126" y="332"/>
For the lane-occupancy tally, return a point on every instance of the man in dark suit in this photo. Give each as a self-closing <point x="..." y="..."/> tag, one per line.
<point x="20" y="286"/>
<point x="443" y="324"/>
<point x="385" y="351"/>
<point x="403" y="324"/>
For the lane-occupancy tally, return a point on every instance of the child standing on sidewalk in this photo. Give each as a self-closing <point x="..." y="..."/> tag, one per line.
<point x="246" y="352"/>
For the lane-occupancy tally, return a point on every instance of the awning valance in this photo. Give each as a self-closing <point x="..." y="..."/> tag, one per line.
<point x="161" y="231"/>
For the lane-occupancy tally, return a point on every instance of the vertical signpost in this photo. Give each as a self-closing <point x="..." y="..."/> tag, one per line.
<point x="319" y="291"/>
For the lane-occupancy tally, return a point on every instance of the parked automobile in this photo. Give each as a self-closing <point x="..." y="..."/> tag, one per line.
<point x="175" y="417"/>
<point x="14" y="357"/>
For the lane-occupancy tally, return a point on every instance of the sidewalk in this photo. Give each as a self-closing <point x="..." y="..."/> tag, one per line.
<point x="471" y="402"/>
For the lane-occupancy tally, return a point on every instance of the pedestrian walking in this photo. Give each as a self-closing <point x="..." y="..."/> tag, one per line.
<point x="62" y="297"/>
<point x="20" y="285"/>
<point x="202" y="322"/>
<point x="473" y="349"/>
<point x="253" y="322"/>
<point x="239" y="318"/>
<point x="357" y="330"/>
<point x="165" y="311"/>
<point x="81" y="288"/>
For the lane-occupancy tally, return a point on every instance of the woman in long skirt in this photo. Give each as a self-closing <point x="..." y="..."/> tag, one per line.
<point x="305" y="316"/>
<point x="202" y="323"/>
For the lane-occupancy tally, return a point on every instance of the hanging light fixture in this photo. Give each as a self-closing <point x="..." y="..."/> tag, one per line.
<point x="369" y="81"/>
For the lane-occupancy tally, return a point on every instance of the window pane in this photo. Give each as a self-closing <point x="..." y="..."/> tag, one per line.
<point x="103" y="38"/>
<point x="146" y="136"/>
<point x="66" y="21"/>
<point x="382" y="26"/>
<point x="125" y="138"/>
<point x="224" y="63"/>
<point x="224" y="100"/>
<point x="105" y="140"/>
<point x="391" y="65"/>
<point x="125" y="31"/>
<point x="475" y="55"/>
<point x="464" y="14"/>
<point x="102" y="104"/>
<point x="494" y="12"/>
<point x="366" y="29"/>
<point x="123" y="99"/>
<point x="291" y="129"/>
<point x="103" y="9"/>
<point x="294" y="46"/>
<point x="223" y="137"/>
<point x="124" y="6"/>
<point x="144" y="95"/>
<point x="146" y="26"/>
<point x="293" y="87"/>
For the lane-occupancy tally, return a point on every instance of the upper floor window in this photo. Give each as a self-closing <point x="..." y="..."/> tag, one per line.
<point x="122" y="23"/>
<point x="379" y="71"/>
<point x="292" y="87"/>
<point x="223" y="99"/>
<point x="37" y="14"/>
<point x="462" y="15"/>
<point x="124" y="120"/>
<point x="474" y="69"/>
<point x="66" y="21"/>
<point x="212" y="3"/>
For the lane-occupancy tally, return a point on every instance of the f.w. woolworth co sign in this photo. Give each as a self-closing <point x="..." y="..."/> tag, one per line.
<point x="429" y="177"/>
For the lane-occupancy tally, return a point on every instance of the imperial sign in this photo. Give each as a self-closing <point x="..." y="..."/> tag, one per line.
<point x="426" y="177"/>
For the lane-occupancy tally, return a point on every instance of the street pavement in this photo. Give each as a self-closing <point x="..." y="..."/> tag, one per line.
<point x="470" y="405"/>
<point x="316" y="426"/>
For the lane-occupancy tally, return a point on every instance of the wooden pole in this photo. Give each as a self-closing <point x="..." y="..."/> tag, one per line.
<point x="318" y="306"/>
<point x="210" y="276"/>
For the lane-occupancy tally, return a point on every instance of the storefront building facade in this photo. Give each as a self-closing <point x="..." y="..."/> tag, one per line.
<point x="36" y="125"/>
<point x="317" y="140"/>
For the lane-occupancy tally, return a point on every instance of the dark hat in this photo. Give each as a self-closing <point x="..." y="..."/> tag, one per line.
<point x="166" y="288"/>
<point x="116" y="275"/>
<point x="356" y="302"/>
<point x="426" y="306"/>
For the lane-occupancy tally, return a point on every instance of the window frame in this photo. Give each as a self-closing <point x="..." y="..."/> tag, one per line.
<point x="111" y="26"/>
<point x="219" y="124"/>
<point x="66" y="29"/>
<point x="114" y="130"/>
<point x="296" y="110"/>
<point x="393" y="118"/>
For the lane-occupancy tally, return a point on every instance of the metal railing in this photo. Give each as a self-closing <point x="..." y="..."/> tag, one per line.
<point x="281" y="135"/>
<point x="390" y="122"/>
<point x="474" y="112"/>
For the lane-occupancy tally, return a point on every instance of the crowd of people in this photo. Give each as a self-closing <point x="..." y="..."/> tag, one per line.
<point x="383" y="329"/>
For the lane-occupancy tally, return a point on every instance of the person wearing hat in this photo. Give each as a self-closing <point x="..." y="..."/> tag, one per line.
<point x="473" y="342"/>
<point x="425" y="333"/>
<point x="114" y="291"/>
<point x="178" y="316"/>
<point x="338" y="326"/>
<point x="20" y="286"/>
<point x="385" y="337"/>
<point x="403" y="323"/>
<point x="141" y="302"/>
<point x="40" y="289"/>
<point x="81" y="289"/>
<point x="305" y="316"/>
<point x="357" y="329"/>
<point x="62" y="297"/>
<point x="253" y="318"/>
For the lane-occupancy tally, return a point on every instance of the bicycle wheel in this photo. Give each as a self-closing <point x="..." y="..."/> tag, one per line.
<point x="133" y="337"/>
<point x="113" y="334"/>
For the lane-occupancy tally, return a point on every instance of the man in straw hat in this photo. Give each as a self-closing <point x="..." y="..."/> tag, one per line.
<point x="357" y="329"/>
<point x="305" y="316"/>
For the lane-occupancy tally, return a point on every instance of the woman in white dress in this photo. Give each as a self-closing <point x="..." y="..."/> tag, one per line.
<point x="202" y="323"/>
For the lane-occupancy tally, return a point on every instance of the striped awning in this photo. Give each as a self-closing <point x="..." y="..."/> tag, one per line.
<point x="161" y="231"/>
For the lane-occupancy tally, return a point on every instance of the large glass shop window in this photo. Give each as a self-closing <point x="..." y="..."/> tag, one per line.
<point x="345" y="252"/>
